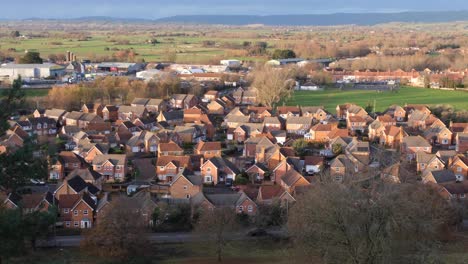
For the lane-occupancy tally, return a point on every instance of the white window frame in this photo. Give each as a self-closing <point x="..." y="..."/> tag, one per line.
<point x="75" y="213"/>
<point x="250" y="208"/>
<point x="66" y="211"/>
<point x="85" y="212"/>
<point x="76" y="224"/>
<point x="185" y="187"/>
<point x="67" y="223"/>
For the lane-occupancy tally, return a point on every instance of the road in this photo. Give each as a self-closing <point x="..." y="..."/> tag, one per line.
<point x="179" y="237"/>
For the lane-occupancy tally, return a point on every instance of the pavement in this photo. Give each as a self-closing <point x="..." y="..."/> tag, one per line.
<point x="161" y="238"/>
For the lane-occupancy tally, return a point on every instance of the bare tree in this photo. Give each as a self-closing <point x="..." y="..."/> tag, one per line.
<point x="120" y="231"/>
<point x="218" y="223"/>
<point x="272" y="84"/>
<point x="385" y="223"/>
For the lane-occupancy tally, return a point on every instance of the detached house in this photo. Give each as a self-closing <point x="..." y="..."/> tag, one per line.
<point x="288" y="111"/>
<point x="299" y="125"/>
<point x="76" y="210"/>
<point x="67" y="161"/>
<point x="316" y="112"/>
<point x="169" y="149"/>
<point x="208" y="149"/>
<point x="185" y="185"/>
<point x="392" y="136"/>
<point x="128" y="112"/>
<point x="413" y="144"/>
<point x="43" y="126"/>
<point x="425" y="162"/>
<point x="397" y="112"/>
<point x="459" y="166"/>
<point x="356" y="123"/>
<point x="110" y="112"/>
<point x="168" y="167"/>
<point x="112" y="166"/>
<point x="143" y="141"/>
<point x="218" y="170"/>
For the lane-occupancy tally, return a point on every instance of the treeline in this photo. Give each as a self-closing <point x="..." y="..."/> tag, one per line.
<point x="418" y="62"/>
<point x="109" y="90"/>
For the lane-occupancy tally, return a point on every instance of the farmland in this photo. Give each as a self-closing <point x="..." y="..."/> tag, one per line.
<point x="330" y="98"/>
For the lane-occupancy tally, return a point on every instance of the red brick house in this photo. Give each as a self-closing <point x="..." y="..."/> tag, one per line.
<point x="112" y="166"/>
<point x="168" y="167"/>
<point x="76" y="210"/>
<point x="169" y="149"/>
<point x="217" y="170"/>
<point x="413" y="144"/>
<point x="208" y="149"/>
<point x="185" y="186"/>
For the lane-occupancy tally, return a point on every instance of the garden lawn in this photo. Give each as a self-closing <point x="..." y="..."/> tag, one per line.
<point x="330" y="98"/>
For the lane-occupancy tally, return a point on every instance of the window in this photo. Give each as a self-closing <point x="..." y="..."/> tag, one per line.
<point x="250" y="208"/>
<point x="98" y="167"/>
<point x="76" y="224"/>
<point x="67" y="223"/>
<point x="75" y="165"/>
<point x="208" y="169"/>
<point x="75" y="212"/>
<point x="462" y="195"/>
<point x="459" y="169"/>
<point x="187" y="196"/>
<point x="185" y="187"/>
<point x="436" y="166"/>
<point x="423" y="165"/>
<point x="208" y="179"/>
<point x="85" y="212"/>
<point x="337" y="169"/>
<point x="66" y="211"/>
<point x="241" y="209"/>
<point x="338" y="178"/>
<point x="161" y="167"/>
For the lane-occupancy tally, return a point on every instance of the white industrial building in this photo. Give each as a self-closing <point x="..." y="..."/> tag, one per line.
<point x="11" y="71"/>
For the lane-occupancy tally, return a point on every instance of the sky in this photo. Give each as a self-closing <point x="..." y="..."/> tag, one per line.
<point x="152" y="9"/>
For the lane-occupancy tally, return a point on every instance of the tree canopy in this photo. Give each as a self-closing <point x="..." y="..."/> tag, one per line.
<point x="283" y="54"/>
<point x="31" y="57"/>
<point x="386" y="223"/>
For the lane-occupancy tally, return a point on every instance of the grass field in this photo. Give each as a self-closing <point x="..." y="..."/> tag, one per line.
<point x="264" y="251"/>
<point x="330" y="98"/>
<point x="188" y="48"/>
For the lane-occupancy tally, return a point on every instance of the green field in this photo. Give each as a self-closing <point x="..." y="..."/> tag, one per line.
<point x="189" y="49"/>
<point x="330" y="98"/>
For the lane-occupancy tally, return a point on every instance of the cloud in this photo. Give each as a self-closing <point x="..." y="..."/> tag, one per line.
<point x="162" y="8"/>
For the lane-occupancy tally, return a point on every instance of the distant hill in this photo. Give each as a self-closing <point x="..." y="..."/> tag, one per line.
<point x="322" y="20"/>
<point x="363" y="19"/>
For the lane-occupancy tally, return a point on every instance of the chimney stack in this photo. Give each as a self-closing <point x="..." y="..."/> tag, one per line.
<point x="68" y="56"/>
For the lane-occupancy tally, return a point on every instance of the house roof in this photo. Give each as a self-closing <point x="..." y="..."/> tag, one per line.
<point x="170" y="146"/>
<point x="74" y="115"/>
<point x="68" y="157"/>
<point x="54" y="112"/>
<point x="302" y="120"/>
<point x="208" y="146"/>
<point x="115" y="159"/>
<point x="357" y="119"/>
<point x="77" y="183"/>
<point x="222" y="162"/>
<point x="416" y="141"/>
<point x="173" y="115"/>
<point x="423" y="157"/>
<point x="443" y="176"/>
<point x="313" y="160"/>
<point x="140" y="101"/>
<point x="68" y="200"/>
<point x="269" y="192"/>
<point x="138" y="109"/>
<point x="311" y="109"/>
<point x="179" y="161"/>
<point x="286" y="109"/>
<point x="85" y="174"/>
<point x="291" y="177"/>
